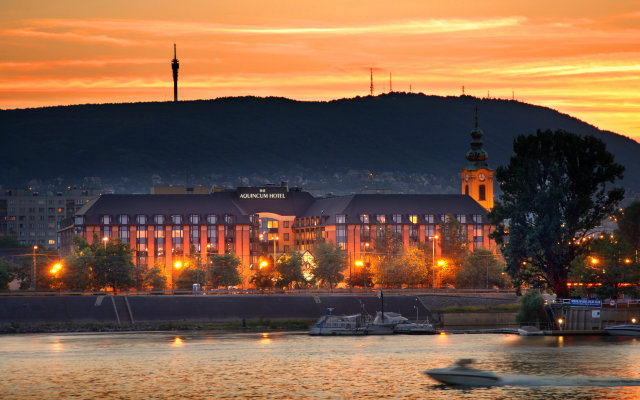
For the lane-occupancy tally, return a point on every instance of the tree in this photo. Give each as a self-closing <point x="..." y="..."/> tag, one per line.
<point x="387" y="248"/>
<point x="224" y="270"/>
<point x="155" y="279"/>
<point x="453" y="241"/>
<point x="330" y="260"/>
<point x="289" y="269"/>
<point x="263" y="278"/>
<point x="531" y="309"/>
<point x="24" y="271"/>
<point x="99" y="265"/>
<point x="555" y="189"/>
<point x="7" y="272"/>
<point x="629" y="226"/>
<point x="608" y="270"/>
<point x="480" y="269"/>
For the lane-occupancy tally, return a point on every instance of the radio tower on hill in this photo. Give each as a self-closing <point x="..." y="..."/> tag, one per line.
<point x="174" y="67"/>
<point x="371" y="87"/>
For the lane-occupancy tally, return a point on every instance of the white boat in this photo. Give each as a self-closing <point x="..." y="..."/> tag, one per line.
<point x="529" y="330"/>
<point x="383" y="323"/>
<point x="403" y="325"/>
<point x="341" y="325"/>
<point x="461" y="374"/>
<point x="623" y="330"/>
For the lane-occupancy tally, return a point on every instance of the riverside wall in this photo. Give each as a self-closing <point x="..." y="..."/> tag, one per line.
<point x="127" y="309"/>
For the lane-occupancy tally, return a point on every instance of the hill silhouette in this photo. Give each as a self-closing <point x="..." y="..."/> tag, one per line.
<point x="243" y="135"/>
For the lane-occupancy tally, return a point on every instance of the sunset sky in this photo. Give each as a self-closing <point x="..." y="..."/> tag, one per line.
<point x="579" y="57"/>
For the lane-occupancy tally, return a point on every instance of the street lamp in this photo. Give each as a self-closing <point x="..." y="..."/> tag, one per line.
<point x="359" y="263"/>
<point x="176" y="266"/>
<point x="433" y="258"/>
<point x="35" y="247"/>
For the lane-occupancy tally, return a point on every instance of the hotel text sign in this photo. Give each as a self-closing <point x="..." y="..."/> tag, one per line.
<point x="263" y="193"/>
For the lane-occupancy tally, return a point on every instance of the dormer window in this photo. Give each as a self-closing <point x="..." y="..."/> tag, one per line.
<point x="141" y="219"/>
<point x="176" y="219"/>
<point x="123" y="219"/>
<point x="194" y="219"/>
<point x="158" y="219"/>
<point x="105" y="220"/>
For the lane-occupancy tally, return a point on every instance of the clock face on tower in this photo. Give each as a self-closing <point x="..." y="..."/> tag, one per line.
<point x="481" y="176"/>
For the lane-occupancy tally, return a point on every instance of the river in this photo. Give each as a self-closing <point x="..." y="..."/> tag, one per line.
<point x="286" y="365"/>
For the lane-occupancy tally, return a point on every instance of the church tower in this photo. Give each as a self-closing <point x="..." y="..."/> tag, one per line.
<point x="477" y="177"/>
<point x="174" y="67"/>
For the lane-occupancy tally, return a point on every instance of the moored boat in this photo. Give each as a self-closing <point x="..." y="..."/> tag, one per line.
<point x="529" y="330"/>
<point x="623" y="330"/>
<point x="340" y="325"/>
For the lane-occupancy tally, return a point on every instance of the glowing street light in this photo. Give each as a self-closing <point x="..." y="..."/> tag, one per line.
<point x="433" y="258"/>
<point x="33" y="275"/>
<point x="54" y="270"/>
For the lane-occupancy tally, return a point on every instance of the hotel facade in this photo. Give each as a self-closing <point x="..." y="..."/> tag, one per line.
<point x="267" y="221"/>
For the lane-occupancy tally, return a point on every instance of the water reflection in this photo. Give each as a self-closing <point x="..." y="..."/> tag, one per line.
<point x="296" y="366"/>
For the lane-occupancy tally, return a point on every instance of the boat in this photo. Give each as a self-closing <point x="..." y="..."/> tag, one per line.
<point x="529" y="330"/>
<point x="403" y="325"/>
<point x="623" y="330"/>
<point x="461" y="374"/>
<point x="341" y="325"/>
<point x="383" y="323"/>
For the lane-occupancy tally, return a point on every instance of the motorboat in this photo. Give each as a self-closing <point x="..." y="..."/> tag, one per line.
<point x="461" y="374"/>
<point x="529" y="330"/>
<point x="384" y="323"/>
<point x="403" y="325"/>
<point x="340" y="325"/>
<point x="623" y="330"/>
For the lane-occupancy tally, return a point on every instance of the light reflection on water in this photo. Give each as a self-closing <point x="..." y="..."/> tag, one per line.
<point x="296" y="366"/>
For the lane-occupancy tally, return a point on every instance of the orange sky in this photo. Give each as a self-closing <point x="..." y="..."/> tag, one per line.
<point x="579" y="57"/>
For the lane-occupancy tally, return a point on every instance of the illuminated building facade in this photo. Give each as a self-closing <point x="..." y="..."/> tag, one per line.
<point x="255" y="222"/>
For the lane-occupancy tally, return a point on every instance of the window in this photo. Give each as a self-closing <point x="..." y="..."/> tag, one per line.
<point x="272" y="224"/>
<point x="212" y="219"/>
<point x="123" y="219"/>
<point x="194" y="219"/>
<point x="461" y="218"/>
<point x="158" y="241"/>
<point x="158" y="219"/>
<point x="397" y="218"/>
<point x="176" y="219"/>
<point x="141" y="219"/>
<point x="286" y="224"/>
<point x="105" y="220"/>
<point x="478" y="236"/>
<point x="429" y="218"/>
<point x="105" y="232"/>
<point x="477" y="218"/>
<point x="414" y="234"/>
<point x="212" y="238"/>
<point x="413" y="218"/>
<point x="286" y="237"/>
<point x="141" y="239"/>
<point x="482" y="193"/>
<point x="123" y="233"/>
<point x="229" y="219"/>
<point x="364" y="218"/>
<point x="341" y="219"/>
<point x="429" y="233"/>
<point x="194" y="236"/>
<point x="382" y="218"/>
<point x="341" y="236"/>
<point x="176" y="239"/>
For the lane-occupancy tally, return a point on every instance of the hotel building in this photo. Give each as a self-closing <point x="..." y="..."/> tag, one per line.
<point x="254" y="222"/>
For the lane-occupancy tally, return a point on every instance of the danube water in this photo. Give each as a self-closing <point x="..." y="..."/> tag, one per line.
<point x="223" y="365"/>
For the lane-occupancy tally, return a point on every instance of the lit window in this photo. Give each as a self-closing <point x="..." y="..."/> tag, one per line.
<point x="272" y="224"/>
<point x="364" y="218"/>
<point x="382" y="218"/>
<point x="341" y="219"/>
<point x="413" y="219"/>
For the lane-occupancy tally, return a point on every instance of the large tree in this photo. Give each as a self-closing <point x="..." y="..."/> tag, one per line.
<point x="556" y="188"/>
<point x="480" y="269"/>
<point x="224" y="270"/>
<point x="330" y="261"/>
<point x="289" y="269"/>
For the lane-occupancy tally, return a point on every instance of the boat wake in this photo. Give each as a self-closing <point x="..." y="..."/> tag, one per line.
<point x="531" y="381"/>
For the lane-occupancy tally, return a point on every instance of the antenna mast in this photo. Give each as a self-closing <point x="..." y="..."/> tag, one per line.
<point x="371" y="86"/>
<point x="174" y="67"/>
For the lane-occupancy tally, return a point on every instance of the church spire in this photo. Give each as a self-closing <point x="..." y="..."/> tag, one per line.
<point x="476" y="156"/>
